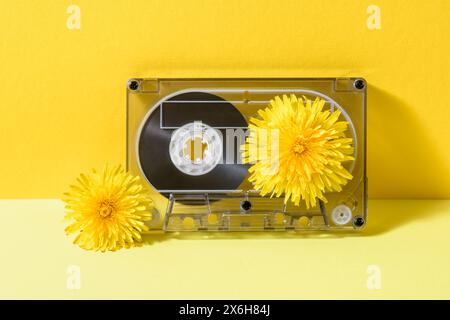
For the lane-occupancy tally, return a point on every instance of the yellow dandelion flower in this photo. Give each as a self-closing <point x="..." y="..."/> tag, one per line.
<point x="307" y="151"/>
<point x="108" y="210"/>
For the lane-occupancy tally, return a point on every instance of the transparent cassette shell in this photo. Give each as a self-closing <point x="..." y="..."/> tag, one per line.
<point x="243" y="209"/>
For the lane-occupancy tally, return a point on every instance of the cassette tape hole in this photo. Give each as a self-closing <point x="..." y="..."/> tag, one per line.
<point x="195" y="148"/>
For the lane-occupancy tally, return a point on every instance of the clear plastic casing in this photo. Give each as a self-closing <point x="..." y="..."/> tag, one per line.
<point x="242" y="208"/>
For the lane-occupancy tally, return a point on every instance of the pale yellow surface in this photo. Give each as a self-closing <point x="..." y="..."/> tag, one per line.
<point x="63" y="91"/>
<point x="407" y="240"/>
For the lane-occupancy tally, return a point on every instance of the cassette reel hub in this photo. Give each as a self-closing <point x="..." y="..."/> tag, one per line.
<point x="341" y="215"/>
<point x="195" y="148"/>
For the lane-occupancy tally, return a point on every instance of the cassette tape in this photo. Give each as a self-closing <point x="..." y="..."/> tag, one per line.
<point x="198" y="144"/>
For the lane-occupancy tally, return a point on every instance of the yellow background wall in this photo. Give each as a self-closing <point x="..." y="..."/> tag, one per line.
<point x="63" y="91"/>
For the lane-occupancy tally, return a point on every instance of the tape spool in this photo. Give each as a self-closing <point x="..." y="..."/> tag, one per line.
<point x="164" y="137"/>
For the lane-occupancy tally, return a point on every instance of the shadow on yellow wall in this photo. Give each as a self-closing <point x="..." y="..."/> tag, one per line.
<point x="399" y="142"/>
